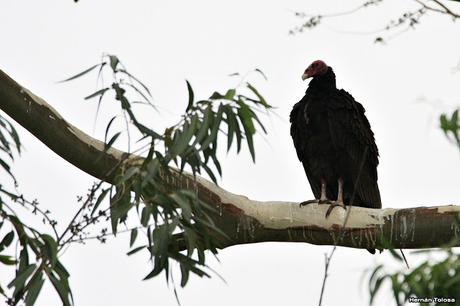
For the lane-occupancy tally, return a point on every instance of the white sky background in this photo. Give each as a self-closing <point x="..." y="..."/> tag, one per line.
<point x="166" y="42"/>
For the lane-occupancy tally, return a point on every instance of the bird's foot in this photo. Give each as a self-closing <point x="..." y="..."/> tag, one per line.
<point x="333" y="205"/>
<point x="316" y="201"/>
<point x="326" y="201"/>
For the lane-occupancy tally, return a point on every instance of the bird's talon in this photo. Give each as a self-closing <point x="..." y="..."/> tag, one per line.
<point x="333" y="205"/>
<point x="304" y="203"/>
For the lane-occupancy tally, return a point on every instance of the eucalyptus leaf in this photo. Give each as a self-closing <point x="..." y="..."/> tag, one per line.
<point x="191" y="97"/>
<point x="6" y="241"/>
<point x="21" y="277"/>
<point x="82" y="73"/>
<point x="133" y="237"/>
<point x="35" y="286"/>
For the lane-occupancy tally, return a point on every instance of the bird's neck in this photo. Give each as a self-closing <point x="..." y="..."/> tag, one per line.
<point x="323" y="82"/>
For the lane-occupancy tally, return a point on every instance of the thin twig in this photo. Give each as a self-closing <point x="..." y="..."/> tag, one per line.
<point x="447" y="10"/>
<point x="88" y="200"/>
<point x="327" y="260"/>
<point x="103" y="235"/>
<point x="404" y="257"/>
<point x="425" y="6"/>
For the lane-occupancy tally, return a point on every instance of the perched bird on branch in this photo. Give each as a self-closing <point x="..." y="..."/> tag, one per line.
<point x="335" y="143"/>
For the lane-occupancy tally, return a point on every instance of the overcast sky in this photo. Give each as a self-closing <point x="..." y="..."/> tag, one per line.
<point x="404" y="85"/>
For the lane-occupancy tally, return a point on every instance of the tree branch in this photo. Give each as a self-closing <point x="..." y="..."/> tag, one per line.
<point x="242" y="219"/>
<point x="443" y="10"/>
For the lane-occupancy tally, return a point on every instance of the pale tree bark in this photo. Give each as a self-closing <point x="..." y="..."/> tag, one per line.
<point x="242" y="219"/>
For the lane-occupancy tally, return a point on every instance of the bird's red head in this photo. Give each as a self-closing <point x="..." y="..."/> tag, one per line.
<point x="316" y="68"/>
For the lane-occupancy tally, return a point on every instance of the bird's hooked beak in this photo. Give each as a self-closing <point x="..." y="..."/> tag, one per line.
<point x="305" y="76"/>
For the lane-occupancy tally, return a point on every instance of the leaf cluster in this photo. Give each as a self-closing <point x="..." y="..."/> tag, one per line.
<point x="174" y="222"/>
<point x="177" y="224"/>
<point x="429" y="279"/>
<point x="451" y="127"/>
<point x="9" y="143"/>
<point x="432" y="278"/>
<point x="30" y="271"/>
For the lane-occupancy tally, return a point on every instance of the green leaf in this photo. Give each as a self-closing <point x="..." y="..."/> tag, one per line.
<point x="202" y="132"/>
<point x="455" y="281"/>
<point x="246" y="119"/>
<point x="6" y="167"/>
<point x="137" y="80"/>
<point x="181" y="143"/>
<point x="24" y="254"/>
<point x="239" y="136"/>
<point x="7" y="260"/>
<point x="259" y="96"/>
<point x="184" y="274"/>
<point x="145" y="215"/>
<point x="12" y="133"/>
<point x="395" y="254"/>
<point x="120" y="204"/>
<point x="454" y="118"/>
<point x="217" y="164"/>
<point x="230" y="94"/>
<point x="245" y="116"/>
<point x="51" y="248"/>
<point x="99" y="200"/>
<point x="135" y="250"/>
<point x="62" y="289"/>
<point x="21" y="277"/>
<point x="216" y="96"/>
<point x="210" y="173"/>
<point x="184" y="204"/>
<point x="156" y="270"/>
<point x="114" y="61"/>
<point x="376" y="288"/>
<point x="444" y="123"/>
<point x="214" y="129"/>
<point x="6" y="241"/>
<point x="191" y="96"/>
<point x="254" y="116"/>
<point x="5" y="144"/>
<point x="107" y="128"/>
<point x="133" y="237"/>
<point x="35" y="286"/>
<point x="61" y="270"/>
<point x="82" y="73"/>
<point x="261" y="73"/>
<point x="109" y="144"/>
<point x="231" y="122"/>
<point x="100" y="92"/>
<point x="15" y="137"/>
<point x="139" y="92"/>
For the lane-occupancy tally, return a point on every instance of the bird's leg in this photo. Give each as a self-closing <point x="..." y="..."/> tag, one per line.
<point x="323" y="198"/>
<point x="339" y="202"/>
<point x="340" y="192"/>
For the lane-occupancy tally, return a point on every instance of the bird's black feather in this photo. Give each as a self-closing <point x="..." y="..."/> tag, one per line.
<point x="333" y="140"/>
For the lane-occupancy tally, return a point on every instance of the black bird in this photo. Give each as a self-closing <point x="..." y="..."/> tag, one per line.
<point x="335" y="143"/>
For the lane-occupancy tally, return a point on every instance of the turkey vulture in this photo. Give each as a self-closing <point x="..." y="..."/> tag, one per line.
<point x="335" y="143"/>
